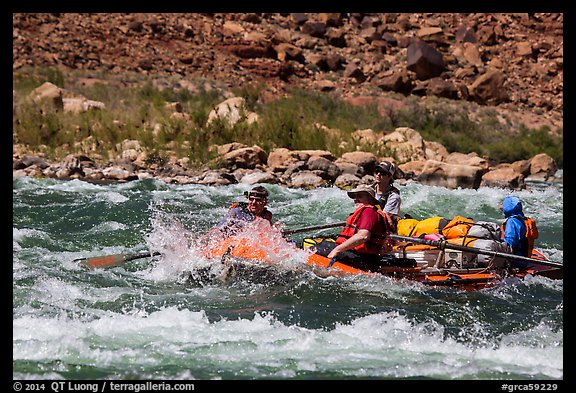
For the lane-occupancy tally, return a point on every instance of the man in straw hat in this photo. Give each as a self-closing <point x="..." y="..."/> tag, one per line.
<point x="363" y="239"/>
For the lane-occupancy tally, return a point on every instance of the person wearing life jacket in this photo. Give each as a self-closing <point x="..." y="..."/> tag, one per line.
<point x="241" y="213"/>
<point x="515" y="231"/>
<point x="387" y="195"/>
<point x="363" y="239"/>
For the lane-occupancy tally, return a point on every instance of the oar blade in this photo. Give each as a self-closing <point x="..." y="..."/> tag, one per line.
<point x="554" y="274"/>
<point x="103" y="261"/>
<point x="113" y="260"/>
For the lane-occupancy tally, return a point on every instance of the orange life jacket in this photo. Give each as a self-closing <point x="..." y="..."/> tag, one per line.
<point x="378" y="242"/>
<point x="531" y="233"/>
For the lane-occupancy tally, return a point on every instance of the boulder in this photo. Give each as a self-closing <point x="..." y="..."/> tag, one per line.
<point x="231" y="111"/>
<point x="436" y="173"/>
<point x="247" y="157"/>
<point x="405" y="144"/>
<point x="467" y="159"/>
<point x="280" y="159"/>
<point x="307" y="180"/>
<point x="330" y="170"/>
<point x="489" y="88"/>
<point x="503" y="177"/>
<point x="543" y="164"/>
<point x="365" y="160"/>
<point x="347" y="181"/>
<point x="259" y="177"/>
<point x="424" y="60"/>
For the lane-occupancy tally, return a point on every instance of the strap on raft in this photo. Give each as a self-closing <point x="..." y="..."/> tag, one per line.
<point x="442" y="244"/>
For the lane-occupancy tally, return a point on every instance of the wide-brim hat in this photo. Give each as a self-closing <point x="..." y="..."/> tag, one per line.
<point x="363" y="188"/>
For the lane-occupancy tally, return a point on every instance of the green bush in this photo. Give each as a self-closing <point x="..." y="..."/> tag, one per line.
<point x="135" y="110"/>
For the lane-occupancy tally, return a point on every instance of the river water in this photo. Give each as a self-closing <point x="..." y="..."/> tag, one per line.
<point x="144" y="321"/>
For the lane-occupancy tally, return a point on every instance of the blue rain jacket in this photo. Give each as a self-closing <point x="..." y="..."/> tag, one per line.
<point x="515" y="229"/>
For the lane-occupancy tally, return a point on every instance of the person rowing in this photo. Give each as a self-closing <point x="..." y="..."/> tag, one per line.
<point x="241" y="213"/>
<point x="363" y="239"/>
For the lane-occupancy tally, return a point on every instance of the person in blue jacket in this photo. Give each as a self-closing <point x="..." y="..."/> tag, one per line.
<point x="514" y="230"/>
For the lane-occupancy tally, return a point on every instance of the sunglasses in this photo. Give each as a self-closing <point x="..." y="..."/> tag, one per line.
<point x="256" y="199"/>
<point x="382" y="173"/>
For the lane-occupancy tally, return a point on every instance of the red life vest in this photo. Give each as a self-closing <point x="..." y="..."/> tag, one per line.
<point x="378" y="242"/>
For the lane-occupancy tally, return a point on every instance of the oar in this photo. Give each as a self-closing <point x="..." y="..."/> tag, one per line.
<point x="114" y="260"/>
<point x="111" y="260"/>
<point x="440" y="244"/>
<point x="312" y="228"/>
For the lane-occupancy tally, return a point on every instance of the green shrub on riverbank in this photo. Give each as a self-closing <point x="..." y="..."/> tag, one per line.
<point x="135" y="108"/>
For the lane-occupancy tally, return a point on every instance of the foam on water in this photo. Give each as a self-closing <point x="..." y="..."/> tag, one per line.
<point x="114" y="197"/>
<point x="379" y="345"/>
<point x="108" y="226"/>
<point x="24" y="236"/>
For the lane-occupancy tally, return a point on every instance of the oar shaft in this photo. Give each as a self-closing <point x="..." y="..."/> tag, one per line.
<point x="313" y="228"/>
<point x="443" y="244"/>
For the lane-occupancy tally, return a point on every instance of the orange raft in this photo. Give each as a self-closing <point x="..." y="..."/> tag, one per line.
<point x="465" y="278"/>
<point x="428" y="265"/>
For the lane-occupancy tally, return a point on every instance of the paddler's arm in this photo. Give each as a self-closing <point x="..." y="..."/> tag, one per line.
<point x="359" y="237"/>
